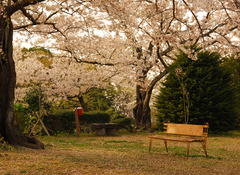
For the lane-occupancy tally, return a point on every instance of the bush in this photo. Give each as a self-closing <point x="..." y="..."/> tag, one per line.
<point x="60" y="121"/>
<point x="64" y="120"/>
<point x="232" y="63"/>
<point x="94" y="117"/>
<point x="125" y="123"/>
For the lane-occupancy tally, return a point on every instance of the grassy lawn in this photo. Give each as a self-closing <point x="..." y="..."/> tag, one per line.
<point x="122" y="154"/>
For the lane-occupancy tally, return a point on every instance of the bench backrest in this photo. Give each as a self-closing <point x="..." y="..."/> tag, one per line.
<point x="187" y="129"/>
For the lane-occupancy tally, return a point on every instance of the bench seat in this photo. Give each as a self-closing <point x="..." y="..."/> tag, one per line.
<point x="177" y="139"/>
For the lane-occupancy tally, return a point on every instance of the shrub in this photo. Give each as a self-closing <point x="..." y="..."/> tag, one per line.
<point x="60" y="121"/>
<point x="126" y="123"/>
<point x="94" y="117"/>
<point x="232" y="63"/>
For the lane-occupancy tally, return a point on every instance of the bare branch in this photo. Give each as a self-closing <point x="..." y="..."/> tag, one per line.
<point x="169" y="25"/>
<point x="194" y="15"/>
<point x="225" y="10"/>
<point x="51" y="15"/>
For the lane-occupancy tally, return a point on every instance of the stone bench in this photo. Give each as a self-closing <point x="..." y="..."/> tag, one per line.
<point x="102" y="129"/>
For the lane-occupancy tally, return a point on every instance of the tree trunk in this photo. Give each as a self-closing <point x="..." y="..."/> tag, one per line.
<point x="142" y="111"/>
<point x="83" y="103"/>
<point x="8" y="125"/>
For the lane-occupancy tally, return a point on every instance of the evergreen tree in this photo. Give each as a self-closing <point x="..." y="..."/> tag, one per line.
<point x="197" y="91"/>
<point x="232" y="63"/>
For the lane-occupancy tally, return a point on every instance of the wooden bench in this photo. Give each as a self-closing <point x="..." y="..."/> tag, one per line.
<point x="183" y="133"/>
<point x="102" y="129"/>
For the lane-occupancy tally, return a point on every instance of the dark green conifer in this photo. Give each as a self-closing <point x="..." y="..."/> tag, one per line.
<point x="197" y="91"/>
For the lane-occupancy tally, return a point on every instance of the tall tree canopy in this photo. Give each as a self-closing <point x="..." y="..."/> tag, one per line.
<point x="198" y="91"/>
<point x="152" y="31"/>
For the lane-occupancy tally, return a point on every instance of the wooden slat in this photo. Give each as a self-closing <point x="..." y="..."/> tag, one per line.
<point x="185" y="129"/>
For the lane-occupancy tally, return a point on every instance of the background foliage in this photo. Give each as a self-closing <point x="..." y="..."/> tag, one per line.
<point x="36" y="99"/>
<point x="98" y="99"/>
<point x="59" y="116"/>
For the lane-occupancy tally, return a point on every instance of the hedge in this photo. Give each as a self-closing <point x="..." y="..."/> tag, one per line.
<point x="64" y="120"/>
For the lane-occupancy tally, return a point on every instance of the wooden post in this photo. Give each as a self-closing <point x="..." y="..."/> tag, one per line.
<point x="77" y="122"/>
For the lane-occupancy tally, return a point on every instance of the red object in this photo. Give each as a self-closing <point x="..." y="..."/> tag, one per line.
<point x="80" y="111"/>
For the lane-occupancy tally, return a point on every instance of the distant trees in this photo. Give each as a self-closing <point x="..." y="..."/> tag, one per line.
<point x="197" y="90"/>
<point x="61" y="77"/>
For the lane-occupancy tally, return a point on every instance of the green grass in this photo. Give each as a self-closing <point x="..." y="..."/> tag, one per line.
<point x="122" y="154"/>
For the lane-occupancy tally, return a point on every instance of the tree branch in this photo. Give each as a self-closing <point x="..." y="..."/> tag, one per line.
<point x="87" y="61"/>
<point x="21" y="4"/>
<point x="25" y="13"/>
<point x="160" y="54"/>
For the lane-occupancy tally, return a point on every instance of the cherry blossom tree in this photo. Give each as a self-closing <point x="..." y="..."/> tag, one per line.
<point x="155" y="29"/>
<point x="60" y="78"/>
<point x="45" y="18"/>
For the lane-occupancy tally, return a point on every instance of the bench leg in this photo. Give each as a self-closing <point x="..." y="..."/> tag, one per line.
<point x="188" y="146"/>
<point x="150" y="145"/>
<point x="111" y="131"/>
<point x="165" y="142"/>
<point x="205" y="148"/>
<point x="100" y="132"/>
